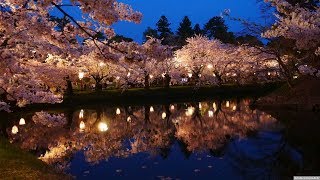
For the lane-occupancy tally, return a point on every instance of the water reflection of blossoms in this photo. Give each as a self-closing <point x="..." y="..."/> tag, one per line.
<point x="124" y="131"/>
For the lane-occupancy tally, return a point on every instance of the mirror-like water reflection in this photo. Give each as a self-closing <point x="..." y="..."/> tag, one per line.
<point x="222" y="139"/>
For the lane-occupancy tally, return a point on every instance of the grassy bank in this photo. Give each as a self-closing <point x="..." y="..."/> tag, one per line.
<point x="16" y="164"/>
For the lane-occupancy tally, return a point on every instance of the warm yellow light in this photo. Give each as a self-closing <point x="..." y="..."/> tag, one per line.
<point x="210" y="66"/>
<point x="118" y="111"/>
<point x="210" y="113"/>
<point x="22" y="122"/>
<point x="14" y="130"/>
<point x="81" y="75"/>
<point x="103" y="127"/>
<point x="151" y="109"/>
<point x="164" y="115"/>
<point x="82" y="126"/>
<point x="81" y="114"/>
<point x="234" y="108"/>
<point x="129" y="119"/>
<point x="214" y="105"/>
<point x="190" y="111"/>
<point x="200" y="105"/>
<point x="227" y="104"/>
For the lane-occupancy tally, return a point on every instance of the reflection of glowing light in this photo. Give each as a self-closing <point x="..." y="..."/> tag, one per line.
<point x="22" y="122"/>
<point x="151" y="109"/>
<point x="227" y="104"/>
<point x="190" y="75"/>
<point x="81" y="113"/>
<point x="129" y="119"/>
<point x="210" y="113"/>
<point x="172" y="107"/>
<point x="200" y="105"/>
<point x="103" y="127"/>
<point x="190" y="111"/>
<point x="82" y="126"/>
<point x="164" y="115"/>
<point x="234" y="108"/>
<point x="14" y="130"/>
<point x="118" y="111"/>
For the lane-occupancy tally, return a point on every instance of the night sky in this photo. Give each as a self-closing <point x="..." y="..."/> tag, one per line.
<point x="175" y="10"/>
<point x="199" y="11"/>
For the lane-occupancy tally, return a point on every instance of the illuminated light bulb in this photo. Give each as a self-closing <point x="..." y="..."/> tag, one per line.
<point x="118" y="111"/>
<point x="14" y="130"/>
<point x="164" y="115"/>
<point x="81" y="75"/>
<point x="151" y="76"/>
<point x="172" y="107"/>
<point x="81" y="114"/>
<point x="129" y="119"/>
<point x="210" y="66"/>
<point x="210" y="113"/>
<point x="234" y="108"/>
<point x="269" y="73"/>
<point x="82" y="126"/>
<point x="103" y="127"/>
<point x="22" y="122"/>
<point x="190" y="75"/>
<point x="227" y="104"/>
<point x="151" y="109"/>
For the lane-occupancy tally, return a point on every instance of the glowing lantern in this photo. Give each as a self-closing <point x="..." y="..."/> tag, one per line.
<point x="103" y="127"/>
<point x="81" y="113"/>
<point x="234" y="108"/>
<point x="22" y="122"/>
<point x="190" y="111"/>
<point x="210" y="113"/>
<point x="151" y="109"/>
<point x="227" y="104"/>
<point x="129" y="119"/>
<point x="81" y="75"/>
<point x="82" y="126"/>
<point x="118" y="111"/>
<point x="164" y="115"/>
<point x="14" y="130"/>
<point x="214" y="105"/>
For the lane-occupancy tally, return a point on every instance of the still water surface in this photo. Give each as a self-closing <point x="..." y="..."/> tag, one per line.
<point x="215" y="139"/>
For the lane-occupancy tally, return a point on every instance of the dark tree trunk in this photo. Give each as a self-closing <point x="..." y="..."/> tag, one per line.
<point x="98" y="86"/>
<point x="146" y="82"/>
<point x="69" y="90"/>
<point x="167" y="80"/>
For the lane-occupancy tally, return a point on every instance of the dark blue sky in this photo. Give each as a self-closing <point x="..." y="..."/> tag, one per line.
<point x="199" y="11"/>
